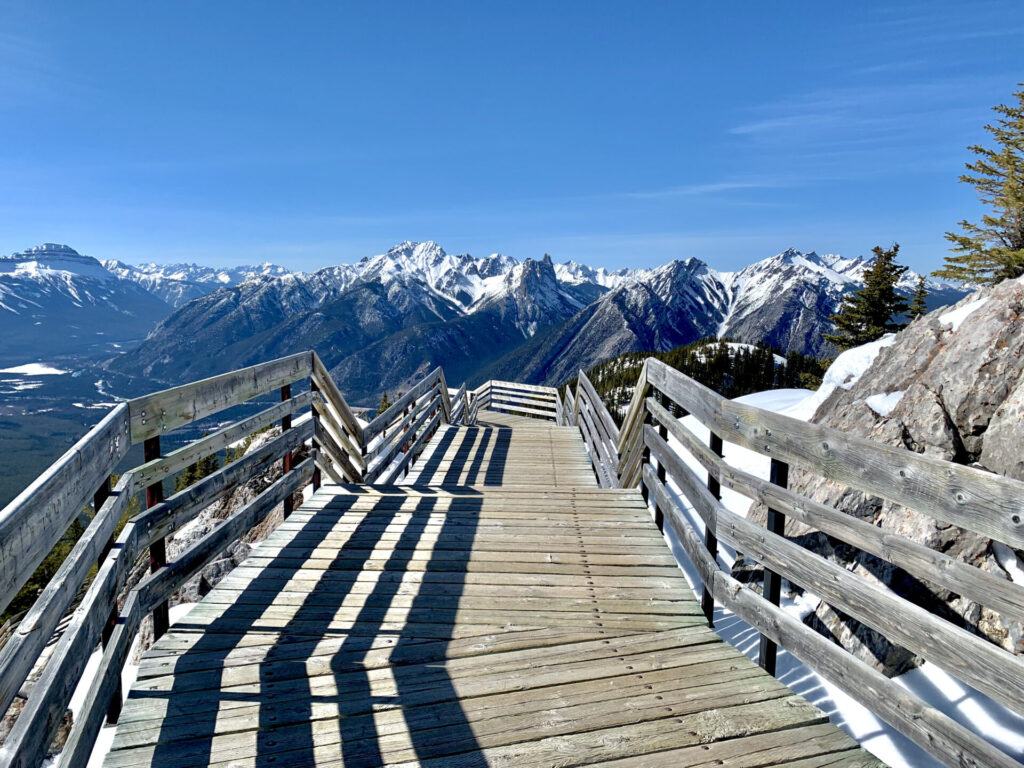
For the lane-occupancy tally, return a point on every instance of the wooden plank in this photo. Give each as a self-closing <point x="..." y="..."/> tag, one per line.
<point x="525" y="387"/>
<point x="19" y="653"/>
<point x="158" y="586"/>
<point x="386" y="450"/>
<point x="39" y="516"/>
<point x="169" y="515"/>
<point x="104" y="685"/>
<point x="329" y="389"/>
<point x="177" y="460"/>
<point x="611" y="431"/>
<point x="446" y="625"/>
<point x="161" y="412"/>
<point x="394" y="413"/>
<point x="989" y="504"/>
<point x="933" y="731"/>
<point x="345" y="443"/>
<point x="338" y="457"/>
<point x="936" y="567"/>
<point x="973" y="659"/>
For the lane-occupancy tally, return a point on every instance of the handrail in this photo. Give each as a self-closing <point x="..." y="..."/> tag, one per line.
<point x="37" y="518"/>
<point x="599" y="432"/>
<point x="338" y="444"/>
<point x="980" y="502"/>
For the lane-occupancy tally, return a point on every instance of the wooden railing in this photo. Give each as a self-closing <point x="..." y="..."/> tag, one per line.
<point x="528" y="399"/>
<point x="652" y="445"/>
<point x="328" y="438"/>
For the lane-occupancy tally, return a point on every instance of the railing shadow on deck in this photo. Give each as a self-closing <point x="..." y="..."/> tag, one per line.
<point x="316" y="423"/>
<point x="289" y="702"/>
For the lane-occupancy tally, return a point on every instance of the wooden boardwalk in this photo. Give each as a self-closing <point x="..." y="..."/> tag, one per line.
<point x="498" y="610"/>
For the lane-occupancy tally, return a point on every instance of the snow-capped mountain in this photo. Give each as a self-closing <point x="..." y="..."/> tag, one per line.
<point x="381" y="322"/>
<point x="179" y="283"/>
<point x="786" y="300"/>
<point x="54" y="300"/>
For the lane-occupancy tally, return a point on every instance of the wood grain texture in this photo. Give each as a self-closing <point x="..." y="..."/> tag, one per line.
<point x="38" y="517"/>
<point x="942" y="737"/>
<point x="983" y="587"/>
<point x="161" y="412"/>
<point x="493" y="612"/>
<point x="978" y="501"/>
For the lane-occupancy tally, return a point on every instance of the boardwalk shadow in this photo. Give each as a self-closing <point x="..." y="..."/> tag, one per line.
<point x="335" y="648"/>
<point x="479" y="458"/>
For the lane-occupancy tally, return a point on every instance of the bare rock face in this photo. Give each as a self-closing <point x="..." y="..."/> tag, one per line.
<point x="961" y="372"/>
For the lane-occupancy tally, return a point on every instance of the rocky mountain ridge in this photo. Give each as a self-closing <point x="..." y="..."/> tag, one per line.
<point x="56" y="300"/>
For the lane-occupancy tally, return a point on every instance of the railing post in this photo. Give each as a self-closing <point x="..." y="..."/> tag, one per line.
<point x="772" y="581"/>
<point x="316" y="447"/>
<point x="659" y="516"/>
<point x="158" y="549"/>
<point x="707" y="601"/>
<point x="645" y="458"/>
<point x="98" y="499"/>
<point x="286" y="462"/>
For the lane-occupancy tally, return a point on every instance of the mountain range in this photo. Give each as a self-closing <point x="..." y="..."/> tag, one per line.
<point x="383" y="321"/>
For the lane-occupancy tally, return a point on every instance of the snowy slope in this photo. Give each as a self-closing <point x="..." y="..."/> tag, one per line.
<point x="55" y="300"/>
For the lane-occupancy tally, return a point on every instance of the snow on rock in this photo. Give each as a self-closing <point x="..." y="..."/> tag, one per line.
<point x="956" y="316"/>
<point x="844" y="373"/>
<point x="884" y="402"/>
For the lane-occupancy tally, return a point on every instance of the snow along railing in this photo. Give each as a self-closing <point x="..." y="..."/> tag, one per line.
<point x="984" y="503"/>
<point x="332" y="441"/>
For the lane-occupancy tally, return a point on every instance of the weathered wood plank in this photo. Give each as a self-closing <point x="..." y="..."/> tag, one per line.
<point x="394" y="413"/>
<point x="322" y="378"/>
<point x="989" y="504"/>
<point x="177" y="460"/>
<point x="936" y="733"/>
<point x="161" y="412"/>
<point x="38" y="516"/>
<point x="20" y="652"/>
<point x="939" y="568"/>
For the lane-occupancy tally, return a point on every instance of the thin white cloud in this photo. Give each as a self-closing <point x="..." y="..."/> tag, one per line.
<point x="708" y="188"/>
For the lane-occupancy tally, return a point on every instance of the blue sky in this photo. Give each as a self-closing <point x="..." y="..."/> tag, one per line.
<point x="619" y="134"/>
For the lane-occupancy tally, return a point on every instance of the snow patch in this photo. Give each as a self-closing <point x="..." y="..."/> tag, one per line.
<point x="844" y="372"/>
<point x="1009" y="562"/>
<point x="35" y="369"/>
<point x="956" y="316"/>
<point x="883" y="403"/>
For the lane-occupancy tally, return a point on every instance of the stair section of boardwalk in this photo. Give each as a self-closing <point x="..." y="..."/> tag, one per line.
<point x="499" y="609"/>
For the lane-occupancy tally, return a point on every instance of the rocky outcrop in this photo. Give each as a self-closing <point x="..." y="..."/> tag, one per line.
<point x="951" y="385"/>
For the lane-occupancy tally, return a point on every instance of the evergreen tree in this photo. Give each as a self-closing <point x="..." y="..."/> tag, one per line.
<point x="867" y="314"/>
<point x="197" y="471"/>
<point x="918" y="304"/>
<point x="994" y="249"/>
<point x="384" y="403"/>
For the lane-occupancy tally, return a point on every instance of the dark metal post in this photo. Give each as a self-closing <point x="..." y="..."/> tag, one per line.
<point x="772" y="581"/>
<point x="316" y="420"/>
<point x="659" y="516"/>
<point x="158" y="549"/>
<point x="98" y="499"/>
<point x="286" y="462"/>
<point x="707" y="600"/>
<point x="645" y="459"/>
